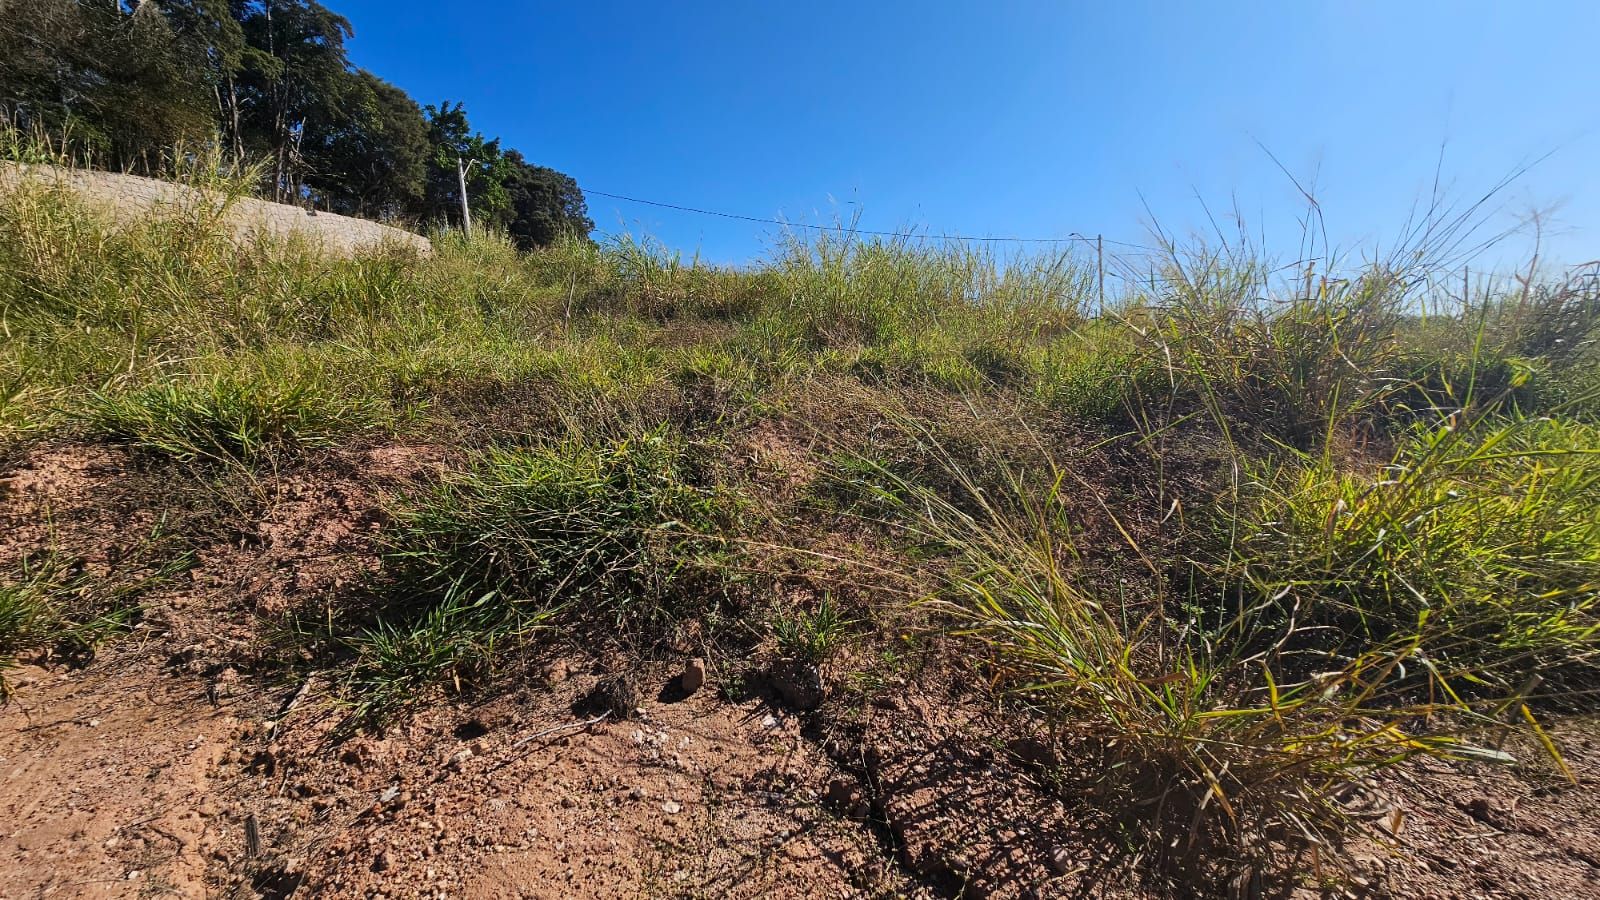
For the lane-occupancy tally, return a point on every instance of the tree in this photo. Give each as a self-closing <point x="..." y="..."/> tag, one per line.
<point x="454" y="144"/>
<point x="150" y="101"/>
<point x="294" y="71"/>
<point x="545" y="205"/>
<point x="370" y="159"/>
<point x="126" y="80"/>
<point x="113" y="79"/>
<point x="213" y="41"/>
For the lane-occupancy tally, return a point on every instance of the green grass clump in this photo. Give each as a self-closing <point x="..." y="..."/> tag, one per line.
<point x="1232" y="736"/>
<point x="812" y="635"/>
<point x="612" y="530"/>
<point x="51" y="601"/>
<point x="228" y="419"/>
<point x="615" y="540"/>
<point x="1479" y="539"/>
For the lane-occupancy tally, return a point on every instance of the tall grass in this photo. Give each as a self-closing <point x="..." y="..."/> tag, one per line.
<point x="1479" y="541"/>
<point x="1362" y="518"/>
<point x="1384" y="623"/>
<point x="228" y="419"/>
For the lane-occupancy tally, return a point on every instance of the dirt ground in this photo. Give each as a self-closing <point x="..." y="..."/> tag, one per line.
<point x="174" y="763"/>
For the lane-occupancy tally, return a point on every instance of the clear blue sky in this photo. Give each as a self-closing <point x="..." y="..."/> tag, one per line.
<point x="1010" y="118"/>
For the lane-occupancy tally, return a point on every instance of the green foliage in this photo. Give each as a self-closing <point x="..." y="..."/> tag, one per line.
<point x="611" y="532"/>
<point x="536" y="206"/>
<point x="120" y="83"/>
<point x="814" y="636"/>
<point x="371" y="156"/>
<point x="545" y="206"/>
<point x="1479" y="542"/>
<point x="227" y="419"/>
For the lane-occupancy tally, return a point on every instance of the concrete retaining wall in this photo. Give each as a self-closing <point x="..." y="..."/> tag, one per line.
<point x="130" y="198"/>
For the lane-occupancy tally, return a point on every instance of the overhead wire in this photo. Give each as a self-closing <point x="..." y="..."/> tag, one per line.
<point x="1074" y="237"/>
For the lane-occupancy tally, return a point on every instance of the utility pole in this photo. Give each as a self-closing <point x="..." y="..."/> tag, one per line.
<point x="466" y="212"/>
<point x="1100" y="257"/>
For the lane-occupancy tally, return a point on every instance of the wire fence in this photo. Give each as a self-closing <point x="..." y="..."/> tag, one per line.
<point x="1131" y="266"/>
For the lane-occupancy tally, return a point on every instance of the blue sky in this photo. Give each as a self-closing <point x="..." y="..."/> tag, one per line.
<point x="1033" y="119"/>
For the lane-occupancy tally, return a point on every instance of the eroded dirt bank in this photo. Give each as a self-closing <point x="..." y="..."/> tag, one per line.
<point x="184" y="760"/>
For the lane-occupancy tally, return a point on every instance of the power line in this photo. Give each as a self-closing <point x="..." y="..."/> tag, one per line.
<point x="894" y="234"/>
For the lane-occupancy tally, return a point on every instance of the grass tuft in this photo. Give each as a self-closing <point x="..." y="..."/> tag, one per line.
<point x="228" y="419"/>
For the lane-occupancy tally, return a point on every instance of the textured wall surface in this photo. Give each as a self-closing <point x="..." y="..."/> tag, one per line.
<point x="128" y="197"/>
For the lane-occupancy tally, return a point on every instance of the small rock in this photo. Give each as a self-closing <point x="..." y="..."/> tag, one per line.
<point x="798" y="682"/>
<point x="555" y="673"/>
<point x="1036" y="752"/>
<point x="614" y="694"/>
<point x="1061" y="861"/>
<point x="671" y="807"/>
<point x="694" y="675"/>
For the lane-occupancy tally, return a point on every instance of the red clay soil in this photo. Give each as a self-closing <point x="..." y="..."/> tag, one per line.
<point x="165" y="767"/>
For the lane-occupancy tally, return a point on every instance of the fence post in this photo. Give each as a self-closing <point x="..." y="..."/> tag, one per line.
<point x="1100" y="257"/>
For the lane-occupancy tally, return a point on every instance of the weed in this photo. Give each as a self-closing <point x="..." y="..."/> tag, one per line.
<point x="814" y="636"/>
<point x="52" y="600"/>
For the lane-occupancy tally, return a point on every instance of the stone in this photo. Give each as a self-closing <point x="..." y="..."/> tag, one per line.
<point x="614" y="694"/>
<point x="694" y="675"/>
<point x="798" y="682"/>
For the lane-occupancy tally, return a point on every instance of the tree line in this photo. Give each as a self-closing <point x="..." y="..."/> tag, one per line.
<point x="127" y="80"/>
